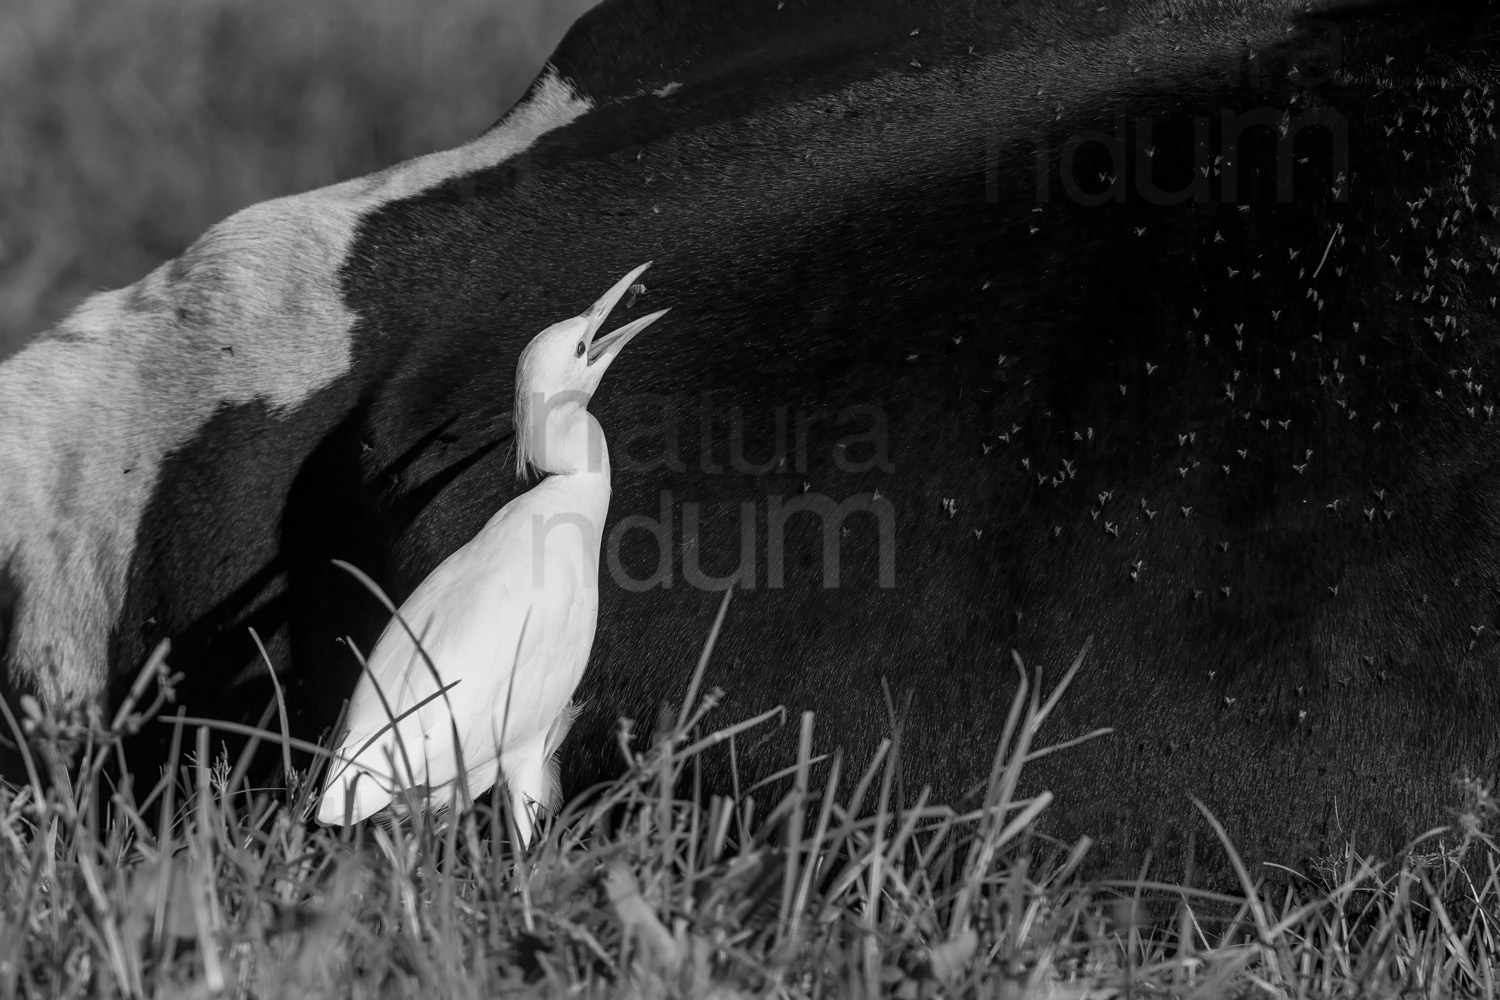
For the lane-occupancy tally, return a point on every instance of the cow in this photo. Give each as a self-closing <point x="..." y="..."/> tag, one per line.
<point x="993" y="327"/>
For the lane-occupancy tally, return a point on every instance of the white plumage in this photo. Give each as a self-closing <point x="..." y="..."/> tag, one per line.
<point x="509" y="617"/>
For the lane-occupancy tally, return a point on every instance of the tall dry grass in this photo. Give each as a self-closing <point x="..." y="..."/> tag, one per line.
<point x="129" y="126"/>
<point x="206" y="885"/>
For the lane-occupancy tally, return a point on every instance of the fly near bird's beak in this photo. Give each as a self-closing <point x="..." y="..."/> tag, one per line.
<point x="603" y="350"/>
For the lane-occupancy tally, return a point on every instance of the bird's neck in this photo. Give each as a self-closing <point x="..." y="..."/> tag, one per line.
<point x="569" y="442"/>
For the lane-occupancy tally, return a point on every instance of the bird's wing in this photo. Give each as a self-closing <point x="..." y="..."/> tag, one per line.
<point x="468" y="616"/>
<point x="461" y="609"/>
<point x="537" y="658"/>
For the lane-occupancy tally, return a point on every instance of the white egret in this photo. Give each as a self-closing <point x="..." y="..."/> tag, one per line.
<point x="507" y="621"/>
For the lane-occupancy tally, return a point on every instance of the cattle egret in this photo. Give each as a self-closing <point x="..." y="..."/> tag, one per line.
<point x="506" y="621"/>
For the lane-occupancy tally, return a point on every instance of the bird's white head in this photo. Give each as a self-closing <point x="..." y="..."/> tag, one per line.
<point x="555" y="379"/>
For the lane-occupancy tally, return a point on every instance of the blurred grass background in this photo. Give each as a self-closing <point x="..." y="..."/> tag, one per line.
<point x="129" y="126"/>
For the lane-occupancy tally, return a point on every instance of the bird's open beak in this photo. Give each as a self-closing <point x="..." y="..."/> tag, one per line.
<point x="603" y="349"/>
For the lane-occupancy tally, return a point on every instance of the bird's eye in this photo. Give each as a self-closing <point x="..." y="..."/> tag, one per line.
<point x="579" y="352"/>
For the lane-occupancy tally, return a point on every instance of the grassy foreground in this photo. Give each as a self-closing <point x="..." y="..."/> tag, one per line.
<point x="202" y="886"/>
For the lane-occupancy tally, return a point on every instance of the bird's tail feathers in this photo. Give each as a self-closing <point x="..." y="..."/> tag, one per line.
<point x="558" y="731"/>
<point x="555" y="735"/>
<point x="375" y="772"/>
<point x="353" y="794"/>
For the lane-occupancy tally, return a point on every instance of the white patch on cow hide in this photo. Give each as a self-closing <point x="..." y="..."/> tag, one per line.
<point x="251" y="311"/>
